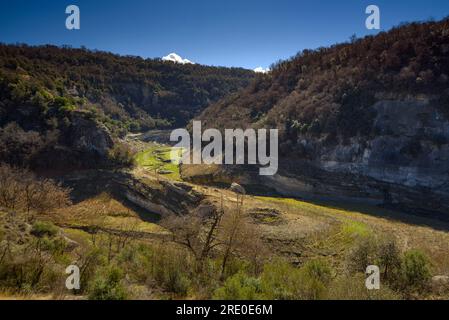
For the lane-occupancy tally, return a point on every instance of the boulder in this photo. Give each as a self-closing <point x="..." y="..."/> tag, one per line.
<point x="440" y="280"/>
<point x="88" y="136"/>
<point x="205" y="210"/>
<point x="235" y="187"/>
<point x="162" y="171"/>
<point x="440" y="284"/>
<point x="268" y="216"/>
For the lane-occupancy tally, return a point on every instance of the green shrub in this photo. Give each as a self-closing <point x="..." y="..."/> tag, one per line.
<point x="121" y="155"/>
<point x="415" y="270"/>
<point x="167" y="267"/>
<point x="54" y="245"/>
<point x="29" y="274"/>
<point x="390" y="260"/>
<point x="314" y="279"/>
<point x="278" y="280"/>
<point x="108" y="285"/>
<point x="171" y="271"/>
<point x="373" y="250"/>
<point x="352" y="287"/>
<point x="176" y="280"/>
<point x="41" y="229"/>
<point x="405" y="273"/>
<point x="137" y="262"/>
<point x="282" y="281"/>
<point x="318" y="270"/>
<point x="363" y="254"/>
<point x="90" y="262"/>
<point x="239" y="287"/>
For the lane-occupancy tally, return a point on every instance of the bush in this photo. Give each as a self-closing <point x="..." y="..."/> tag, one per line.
<point x="21" y="189"/>
<point x="406" y="273"/>
<point x="89" y="263"/>
<point x="176" y="280"/>
<point x="170" y="270"/>
<point x="314" y="279"/>
<point x="374" y="251"/>
<point x="108" y="285"/>
<point x="318" y="270"/>
<point x="30" y="268"/>
<point x="28" y="275"/>
<point x="390" y="260"/>
<point x="137" y="262"/>
<point x="122" y="155"/>
<point x="277" y="281"/>
<point x="41" y="229"/>
<point x="352" y="287"/>
<point x="282" y="281"/>
<point x="55" y="246"/>
<point x="364" y="253"/>
<point x="239" y="287"/>
<point x="166" y="267"/>
<point x="415" y="271"/>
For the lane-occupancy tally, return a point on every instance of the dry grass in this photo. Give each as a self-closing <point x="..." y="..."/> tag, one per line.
<point x="156" y="159"/>
<point x="341" y="223"/>
<point x="104" y="211"/>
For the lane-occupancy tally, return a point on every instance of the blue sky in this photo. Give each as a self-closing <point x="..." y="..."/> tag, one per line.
<point x="244" y="33"/>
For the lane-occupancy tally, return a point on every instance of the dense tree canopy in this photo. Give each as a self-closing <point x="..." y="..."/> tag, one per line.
<point x="129" y="92"/>
<point x="329" y="91"/>
<point x="42" y="90"/>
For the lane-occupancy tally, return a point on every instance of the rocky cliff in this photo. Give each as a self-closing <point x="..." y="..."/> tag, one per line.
<point x="157" y="197"/>
<point x="405" y="165"/>
<point x="365" y="120"/>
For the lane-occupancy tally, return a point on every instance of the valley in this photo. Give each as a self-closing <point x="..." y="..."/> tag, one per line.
<point x="88" y="177"/>
<point x="124" y="211"/>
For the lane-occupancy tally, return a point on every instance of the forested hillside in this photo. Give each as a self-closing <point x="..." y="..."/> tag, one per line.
<point x="45" y="90"/>
<point x="367" y="119"/>
<point x="329" y="91"/>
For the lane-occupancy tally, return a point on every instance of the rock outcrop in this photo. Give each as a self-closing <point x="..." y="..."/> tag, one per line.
<point x="405" y="164"/>
<point x="88" y="136"/>
<point x="161" y="198"/>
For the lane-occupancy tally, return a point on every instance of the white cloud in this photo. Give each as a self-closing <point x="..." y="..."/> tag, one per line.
<point x="261" y="70"/>
<point x="173" y="57"/>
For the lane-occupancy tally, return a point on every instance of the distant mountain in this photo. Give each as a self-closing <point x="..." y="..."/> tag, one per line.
<point x="320" y="91"/>
<point x="138" y="93"/>
<point x="261" y="70"/>
<point x="45" y="89"/>
<point x="173" y="57"/>
<point x="368" y="118"/>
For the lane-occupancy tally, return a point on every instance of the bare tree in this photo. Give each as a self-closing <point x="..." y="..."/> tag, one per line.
<point x="196" y="232"/>
<point x="21" y="189"/>
<point x="240" y="237"/>
<point x="226" y="232"/>
<point x="126" y="234"/>
<point x="10" y="186"/>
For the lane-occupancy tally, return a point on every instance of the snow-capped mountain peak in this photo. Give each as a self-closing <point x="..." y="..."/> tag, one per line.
<point x="261" y="70"/>
<point x="173" y="57"/>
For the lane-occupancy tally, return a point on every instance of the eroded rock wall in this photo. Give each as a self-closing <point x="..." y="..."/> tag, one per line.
<point x="404" y="163"/>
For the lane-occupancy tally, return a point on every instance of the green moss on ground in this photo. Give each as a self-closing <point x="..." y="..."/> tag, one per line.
<point x="156" y="159"/>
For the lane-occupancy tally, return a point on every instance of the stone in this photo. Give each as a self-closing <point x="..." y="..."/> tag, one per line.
<point x="162" y="171"/>
<point x="268" y="216"/>
<point x="89" y="136"/>
<point x="235" y="187"/>
<point x="441" y="280"/>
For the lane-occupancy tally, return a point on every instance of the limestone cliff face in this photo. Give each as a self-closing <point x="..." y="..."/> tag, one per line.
<point x="157" y="197"/>
<point x="89" y="136"/>
<point x="406" y="162"/>
<point x="411" y="148"/>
